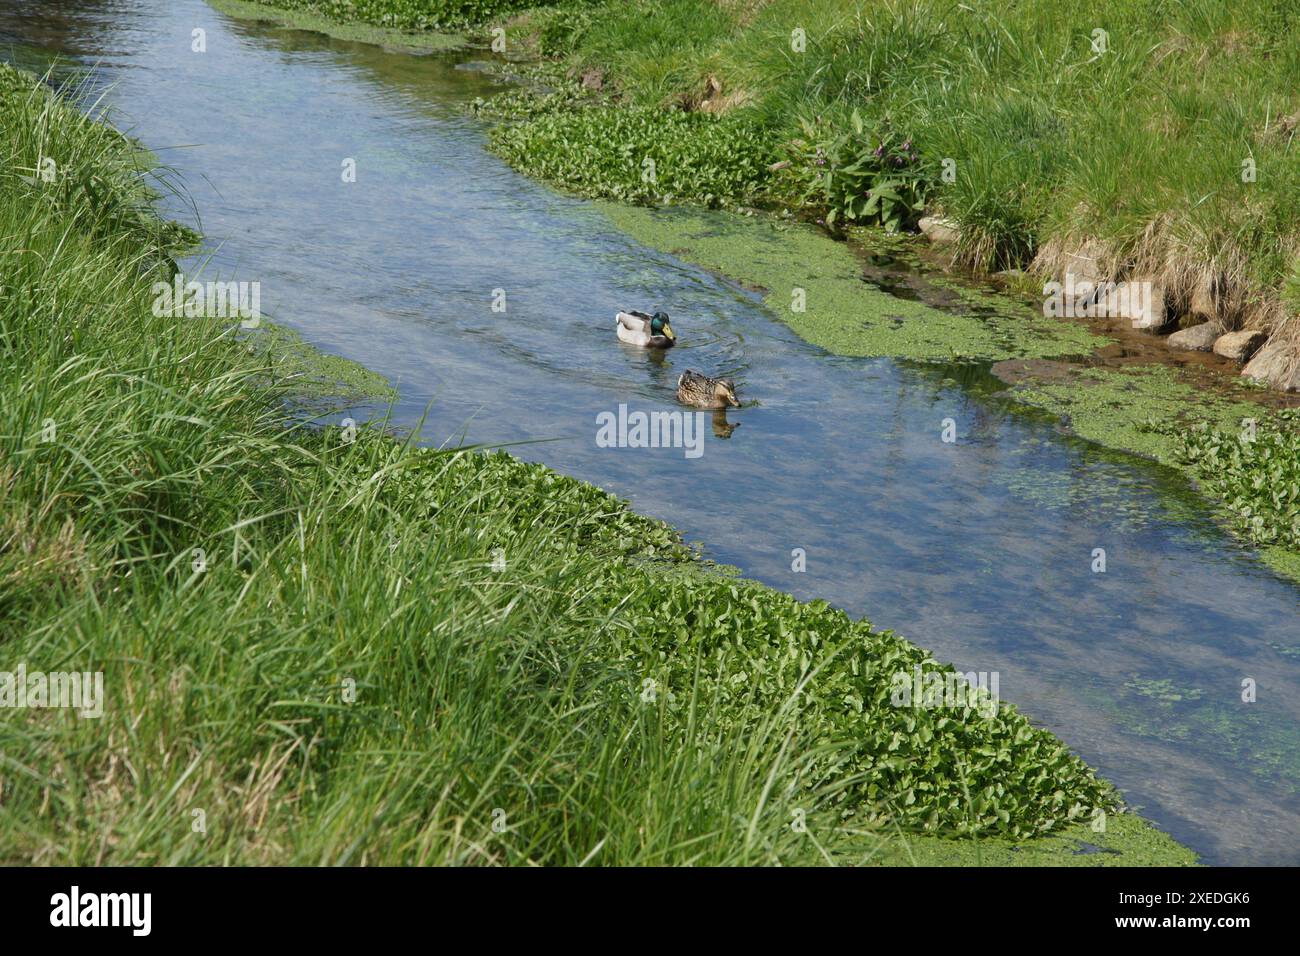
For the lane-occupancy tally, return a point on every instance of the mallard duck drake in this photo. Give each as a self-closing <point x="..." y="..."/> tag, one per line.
<point x="646" y="330"/>
<point x="704" y="392"/>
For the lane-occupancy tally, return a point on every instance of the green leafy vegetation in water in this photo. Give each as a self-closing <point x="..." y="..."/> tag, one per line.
<point x="347" y="649"/>
<point x="334" y="19"/>
<point x="640" y="155"/>
<point x="1254" y="469"/>
<point x="406" y="15"/>
<point x="1126" y="507"/>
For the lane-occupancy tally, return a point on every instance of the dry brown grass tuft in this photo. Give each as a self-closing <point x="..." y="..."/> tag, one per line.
<point x="708" y="96"/>
<point x="36" y="550"/>
<point x="1204" y="277"/>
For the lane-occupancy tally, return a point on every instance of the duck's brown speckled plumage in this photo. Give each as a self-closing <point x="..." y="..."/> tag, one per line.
<point x="701" y="391"/>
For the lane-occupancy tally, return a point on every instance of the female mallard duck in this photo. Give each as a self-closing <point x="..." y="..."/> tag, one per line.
<point x="704" y="392"/>
<point x="645" y="330"/>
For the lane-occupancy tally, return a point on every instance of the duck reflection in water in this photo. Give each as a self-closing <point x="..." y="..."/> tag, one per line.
<point x="721" y="427"/>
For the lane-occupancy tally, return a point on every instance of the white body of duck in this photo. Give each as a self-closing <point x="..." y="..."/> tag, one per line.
<point x="646" y="330"/>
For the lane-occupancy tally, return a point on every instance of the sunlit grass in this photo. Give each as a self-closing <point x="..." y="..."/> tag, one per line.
<point x="322" y="647"/>
<point x="1164" y="132"/>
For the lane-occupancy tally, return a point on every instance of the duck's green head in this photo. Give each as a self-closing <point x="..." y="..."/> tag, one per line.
<point x="659" y="326"/>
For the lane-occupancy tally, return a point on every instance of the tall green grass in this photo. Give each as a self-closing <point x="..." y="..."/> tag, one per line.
<point x="321" y="647"/>
<point x="1125" y="123"/>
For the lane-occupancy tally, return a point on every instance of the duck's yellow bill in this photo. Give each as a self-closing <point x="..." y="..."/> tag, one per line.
<point x="668" y="331"/>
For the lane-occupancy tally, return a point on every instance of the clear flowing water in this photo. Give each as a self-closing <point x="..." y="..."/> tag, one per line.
<point x="980" y="550"/>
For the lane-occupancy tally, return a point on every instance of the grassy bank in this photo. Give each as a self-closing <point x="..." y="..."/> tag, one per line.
<point x="325" y="645"/>
<point x="1154" y="137"/>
